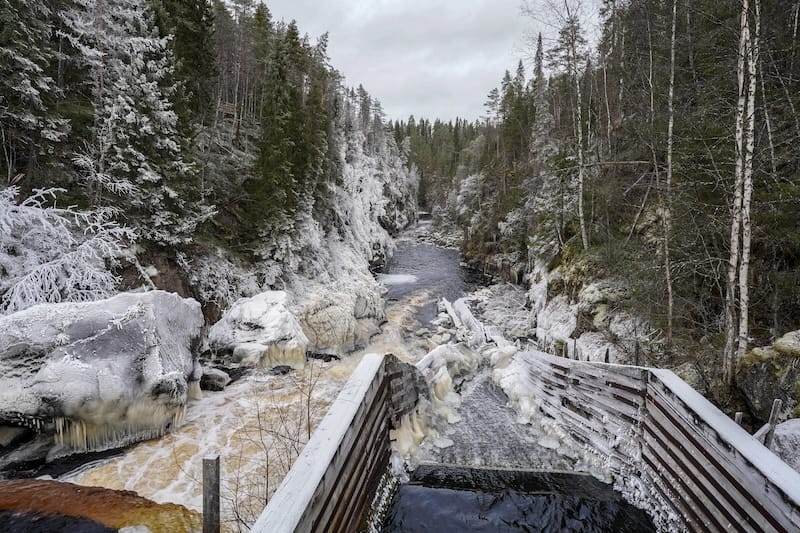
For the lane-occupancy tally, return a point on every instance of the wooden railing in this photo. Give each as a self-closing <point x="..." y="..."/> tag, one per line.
<point x="664" y="444"/>
<point x="333" y="480"/>
<point x="653" y="428"/>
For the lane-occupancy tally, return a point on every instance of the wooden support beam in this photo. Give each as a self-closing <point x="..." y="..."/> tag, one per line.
<point x="738" y="417"/>
<point x="777" y="405"/>
<point x="211" y="520"/>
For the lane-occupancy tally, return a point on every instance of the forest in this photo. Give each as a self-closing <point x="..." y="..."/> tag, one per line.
<point x="201" y="137"/>
<point x="664" y="157"/>
<point x="203" y="147"/>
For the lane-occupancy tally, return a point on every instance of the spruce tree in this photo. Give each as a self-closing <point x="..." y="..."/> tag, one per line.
<point x="28" y="124"/>
<point x="134" y="161"/>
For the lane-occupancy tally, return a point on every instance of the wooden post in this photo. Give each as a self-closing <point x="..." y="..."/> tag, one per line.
<point x="607" y="355"/>
<point x="575" y="349"/>
<point x="211" y="519"/>
<point x="773" y="421"/>
<point x="738" y="417"/>
<point x="636" y="352"/>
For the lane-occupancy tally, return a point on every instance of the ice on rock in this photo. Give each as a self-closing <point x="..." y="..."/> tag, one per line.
<point x="556" y="321"/>
<point x="786" y="443"/>
<point x="396" y="279"/>
<point x="99" y="374"/>
<point x="261" y="331"/>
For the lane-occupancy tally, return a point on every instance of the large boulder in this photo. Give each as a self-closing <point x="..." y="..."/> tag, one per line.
<point x="100" y="374"/>
<point x="771" y="372"/>
<point x="340" y="317"/>
<point x="261" y="331"/>
<point x="786" y="442"/>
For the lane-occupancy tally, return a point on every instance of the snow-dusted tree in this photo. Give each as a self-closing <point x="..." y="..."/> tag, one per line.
<point x="26" y="124"/>
<point x="134" y="160"/>
<point x="52" y="254"/>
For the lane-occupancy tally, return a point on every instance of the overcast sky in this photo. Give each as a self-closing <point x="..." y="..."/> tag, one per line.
<point x="430" y="58"/>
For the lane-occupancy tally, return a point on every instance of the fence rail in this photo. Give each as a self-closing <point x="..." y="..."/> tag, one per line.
<point x="650" y="425"/>
<point x="333" y="480"/>
<point x="650" y="428"/>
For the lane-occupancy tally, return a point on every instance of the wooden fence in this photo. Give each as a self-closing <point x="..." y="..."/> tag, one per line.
<point x="333" y="481"/>
<point x="652" y="431"/>
<point x="651" y="426"/>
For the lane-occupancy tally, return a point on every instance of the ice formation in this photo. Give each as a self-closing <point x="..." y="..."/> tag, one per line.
<point x="786" y="443"/>
<point x="100" y="374"/>
<point x="261" y="331"/>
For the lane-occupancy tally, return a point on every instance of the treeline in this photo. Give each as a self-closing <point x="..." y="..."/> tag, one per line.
<point x="665" y="156"/>
<point x="192" y="123"/>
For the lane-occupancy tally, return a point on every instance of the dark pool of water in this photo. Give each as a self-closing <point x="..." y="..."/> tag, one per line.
<point x="462" y="500"/>
<point x="438" y="272"/>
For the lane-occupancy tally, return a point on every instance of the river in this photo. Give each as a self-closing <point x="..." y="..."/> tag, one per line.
<point x="259" y="423"/>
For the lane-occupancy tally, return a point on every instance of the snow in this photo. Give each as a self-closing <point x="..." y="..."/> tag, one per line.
<point x="789" y="344"/>
<point x="108" y="372"/>
<point x="261" y="330"/>
<point x="786" y="442"/>
<point x="396" y="279"/>
<point x="556" y="321"/>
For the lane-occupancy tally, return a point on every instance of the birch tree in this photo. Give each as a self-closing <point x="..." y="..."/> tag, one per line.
<point x="736" y="329"/>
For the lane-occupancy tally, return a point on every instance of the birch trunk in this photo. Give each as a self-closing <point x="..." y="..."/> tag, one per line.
<point x="729" y="354"/>
<point x="668" y="192"/>
<point x="581" y="163"/>
<point x="747" y="192"/>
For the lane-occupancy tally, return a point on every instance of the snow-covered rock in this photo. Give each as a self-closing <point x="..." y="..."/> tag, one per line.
<point x="556" y="321"/>
<point x="339" y="318"/>
<point x="786" y="442"/>
<point x="603" y="292"/>
<point x="214" y="379"/>
<point x="100" y="374"/>
<point x="261" y="330"/>
<point x="789" y="344"/>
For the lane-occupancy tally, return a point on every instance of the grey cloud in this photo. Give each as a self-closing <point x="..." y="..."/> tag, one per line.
<point x="434" y="58"/>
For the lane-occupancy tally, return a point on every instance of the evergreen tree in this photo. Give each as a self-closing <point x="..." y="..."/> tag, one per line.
<point x="134" y="160"/>
<point x="28" y="124"/>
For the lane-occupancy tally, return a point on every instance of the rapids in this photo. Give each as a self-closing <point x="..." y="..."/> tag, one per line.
<point x="259" y="424"/>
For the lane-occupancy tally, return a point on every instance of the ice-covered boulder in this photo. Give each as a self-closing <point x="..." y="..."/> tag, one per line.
<point x="261" y="331"/>
<point x="100" y="374"/>
<point x="340" y="317"/>
<point x="789" y="344"/>
<point x="214" y="379"/>
<point x="786" y="442"/>
<point x="557" y="321"/>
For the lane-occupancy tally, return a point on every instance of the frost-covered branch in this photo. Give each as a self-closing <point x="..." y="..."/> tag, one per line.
<point x="52" y="254"/>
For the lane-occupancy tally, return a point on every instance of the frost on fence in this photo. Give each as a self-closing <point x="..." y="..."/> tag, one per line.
<point x="50" y="254"/>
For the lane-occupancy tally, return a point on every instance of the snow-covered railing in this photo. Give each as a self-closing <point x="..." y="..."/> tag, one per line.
<point x="332" y="483"/>
<point x="667" y="445"/>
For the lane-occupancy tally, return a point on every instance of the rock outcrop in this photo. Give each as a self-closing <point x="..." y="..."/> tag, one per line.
<point x="261" y="331"/>
<point x="100" y="374"/>
<point x="771" y="372"/>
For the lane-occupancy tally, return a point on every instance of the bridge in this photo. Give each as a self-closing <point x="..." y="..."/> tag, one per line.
<point x="655" y="435"/>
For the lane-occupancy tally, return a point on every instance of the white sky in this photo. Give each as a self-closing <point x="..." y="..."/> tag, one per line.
<point x="429" y="58"/>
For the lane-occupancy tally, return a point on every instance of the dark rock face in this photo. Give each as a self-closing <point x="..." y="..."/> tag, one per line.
<point x="214" y="379"/>
<point x="99" y="374"/>
<point x="765" y="375"/>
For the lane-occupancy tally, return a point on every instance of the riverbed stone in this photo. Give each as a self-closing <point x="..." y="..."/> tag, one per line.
<point x="214" y="379"/>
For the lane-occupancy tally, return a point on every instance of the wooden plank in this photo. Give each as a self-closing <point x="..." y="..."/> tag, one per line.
<point x="725" y="462"/>
<point x="211" y="517"/>
<point x="338" y="477"/>
<point x="715" y="493"/>
<point x="692" y="521"/>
